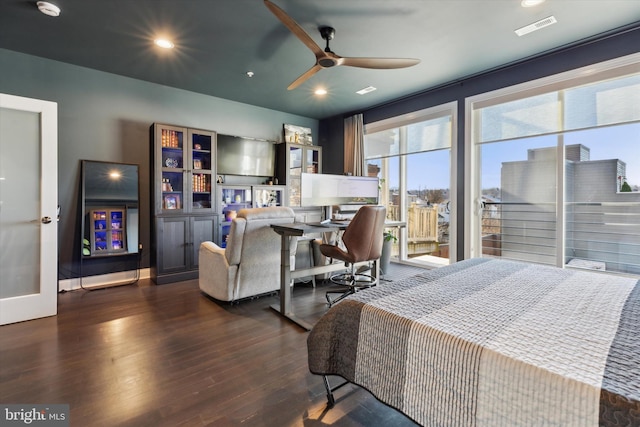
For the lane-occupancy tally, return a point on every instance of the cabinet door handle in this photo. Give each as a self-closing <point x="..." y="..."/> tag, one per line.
<point x="46" y="219"/>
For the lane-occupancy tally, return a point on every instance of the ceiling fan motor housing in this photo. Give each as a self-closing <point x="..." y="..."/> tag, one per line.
<point x="327" y="62"/>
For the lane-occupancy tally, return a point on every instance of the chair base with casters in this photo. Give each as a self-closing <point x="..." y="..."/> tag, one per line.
<point x="354" y="280"/>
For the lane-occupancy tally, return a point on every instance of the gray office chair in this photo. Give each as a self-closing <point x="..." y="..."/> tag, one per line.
<point x="363" y="242"/>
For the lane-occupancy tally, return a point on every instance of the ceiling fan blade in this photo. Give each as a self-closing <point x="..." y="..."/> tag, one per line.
<point x="310" y="72"/>
<point x="294" y="28"/>
<point x="379" y="63"/>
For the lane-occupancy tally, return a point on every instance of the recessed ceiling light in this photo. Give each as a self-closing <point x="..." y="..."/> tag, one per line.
<point x="250" y="74"/>
<point x="164" y="43"/>
<point x="530" y="3"/>
<point x="320" y="92"/>
<point x="536" y="26"/>
<point x="48" y="8"/>
<point x="366" y="90"/>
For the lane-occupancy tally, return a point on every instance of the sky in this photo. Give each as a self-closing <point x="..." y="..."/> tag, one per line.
<point x="431" y="170"/>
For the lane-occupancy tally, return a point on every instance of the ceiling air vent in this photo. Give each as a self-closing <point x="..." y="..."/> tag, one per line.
<point x="366" y="90"/>
<point x="536" y="26"/>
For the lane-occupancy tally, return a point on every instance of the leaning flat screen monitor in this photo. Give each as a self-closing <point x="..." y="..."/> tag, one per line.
<point x="328" y="190"/>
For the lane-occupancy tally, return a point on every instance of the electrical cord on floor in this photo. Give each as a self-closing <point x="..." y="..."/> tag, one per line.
<point x="132" y="282"/>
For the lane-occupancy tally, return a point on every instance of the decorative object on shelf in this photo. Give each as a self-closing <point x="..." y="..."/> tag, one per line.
<point x="172" y="201"/>
<point x="297" y="134"/>
<point x="171" y="138"/>
<point x="219" y="179"/>
<point x="197" y="164"/>
<point x="171" y="162"/>
<point x="200" y="183"/>
<point x="197" y="147"/>
<point x="166" y="185"/>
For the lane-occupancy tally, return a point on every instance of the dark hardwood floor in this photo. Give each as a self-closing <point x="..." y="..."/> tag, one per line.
<point x="147" y="355"/>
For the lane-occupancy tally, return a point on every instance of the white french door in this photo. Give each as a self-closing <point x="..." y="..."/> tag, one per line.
<point x="28" y="208"/>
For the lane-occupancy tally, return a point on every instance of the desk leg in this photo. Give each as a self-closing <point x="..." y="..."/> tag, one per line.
<point x="285" y="275"/>
<point x="375" y="271"/>
<point x="285" y="289"/>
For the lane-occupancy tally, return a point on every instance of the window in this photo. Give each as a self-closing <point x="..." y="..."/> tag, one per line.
<point x="556" y="170"/>
<point x="412" y="156"/>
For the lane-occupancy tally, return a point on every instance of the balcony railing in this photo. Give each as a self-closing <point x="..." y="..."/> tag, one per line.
<point x="426" y="235"/>
<point x="598" y="235"/>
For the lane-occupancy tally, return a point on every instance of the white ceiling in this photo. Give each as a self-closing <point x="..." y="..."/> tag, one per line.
<point x="217" y="41"/>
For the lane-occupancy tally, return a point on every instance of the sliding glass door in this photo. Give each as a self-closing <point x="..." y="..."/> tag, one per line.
<point x="602" y="199"/>
<point x="555" y="170"/>
<point x="412" y="155"/>
<point x="517" y="203"/>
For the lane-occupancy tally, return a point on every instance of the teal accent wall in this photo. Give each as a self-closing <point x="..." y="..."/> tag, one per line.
<point x="106" y="117"/>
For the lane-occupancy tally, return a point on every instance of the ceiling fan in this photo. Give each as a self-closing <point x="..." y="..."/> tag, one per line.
<point x="326" y="58"/>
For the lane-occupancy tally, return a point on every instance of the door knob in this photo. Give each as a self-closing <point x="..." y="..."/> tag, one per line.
<point x="46" y="219"/>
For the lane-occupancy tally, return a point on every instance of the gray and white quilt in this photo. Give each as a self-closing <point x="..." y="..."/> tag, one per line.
<point x="487" y="342"/>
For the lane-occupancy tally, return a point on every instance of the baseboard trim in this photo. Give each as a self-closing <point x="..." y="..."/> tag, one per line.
<point x="104" y="280"/>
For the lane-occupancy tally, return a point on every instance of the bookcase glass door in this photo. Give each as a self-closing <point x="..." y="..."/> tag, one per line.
<point x="187" y="173"/>
<point x="313" y="161"/>
<point x="173" y="162"/>
<point x="295" y="160"/>
<point x="201" y="177"/>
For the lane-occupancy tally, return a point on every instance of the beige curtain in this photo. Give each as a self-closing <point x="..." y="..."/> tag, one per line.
<point x="354" y="146"/>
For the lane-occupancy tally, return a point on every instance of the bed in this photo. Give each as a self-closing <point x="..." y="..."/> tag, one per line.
<point x="490" y="342"/>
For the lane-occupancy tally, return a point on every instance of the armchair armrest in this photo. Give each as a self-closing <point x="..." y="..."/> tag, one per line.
<point x="212" y="253"/>
<point x="216" y="277"/>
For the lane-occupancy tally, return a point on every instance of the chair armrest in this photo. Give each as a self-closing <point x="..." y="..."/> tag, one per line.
<point x="215" y="274"/>
<point x="210" y="253"/>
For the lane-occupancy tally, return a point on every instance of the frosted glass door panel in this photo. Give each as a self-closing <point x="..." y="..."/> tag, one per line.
<point x="19" y="203"/>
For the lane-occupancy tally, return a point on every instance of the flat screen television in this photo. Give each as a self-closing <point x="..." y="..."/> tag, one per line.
<point x="245" y="156"/>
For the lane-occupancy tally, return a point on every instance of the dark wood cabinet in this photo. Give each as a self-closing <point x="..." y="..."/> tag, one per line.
<point x="178" y="240"/>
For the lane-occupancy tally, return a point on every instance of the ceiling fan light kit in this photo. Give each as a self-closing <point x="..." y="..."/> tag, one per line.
<point x="327" y="58"/>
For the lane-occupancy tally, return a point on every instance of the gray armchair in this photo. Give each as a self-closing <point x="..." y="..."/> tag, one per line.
<point x="250" y="264"/>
